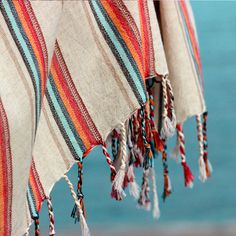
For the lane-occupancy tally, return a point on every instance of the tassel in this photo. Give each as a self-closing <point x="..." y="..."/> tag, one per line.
<point x="133" y="186"/>
<point x="175" y="153"/>
<point x="119" y="178"/>
<point x="156" y="210"/>
<point x="36" y="226"/>
<point x="51" y="217"/>
<point x="80" y="196"/>
<point x="83" y="223"/>
<point x="188" y="176"/>
<point x="202" y="166"/>
<point x="168" y="126"/>
<point x="207" y="162"/>
<point x="167" y="183"/>
<point x="144" y="200"/>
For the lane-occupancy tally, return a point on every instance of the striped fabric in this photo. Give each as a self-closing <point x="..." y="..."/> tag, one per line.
<point x="70" y="73"/>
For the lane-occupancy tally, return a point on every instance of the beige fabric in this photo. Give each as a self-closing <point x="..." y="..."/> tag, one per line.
<point x="182" y="74"/>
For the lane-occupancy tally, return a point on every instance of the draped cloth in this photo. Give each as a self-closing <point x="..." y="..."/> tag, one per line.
<point x="73" y="71"/>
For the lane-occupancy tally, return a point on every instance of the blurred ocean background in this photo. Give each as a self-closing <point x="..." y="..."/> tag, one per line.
<point x="207" y="209"/>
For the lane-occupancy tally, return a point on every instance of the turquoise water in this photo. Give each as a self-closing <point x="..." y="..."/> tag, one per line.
<point x="212" y="202"/>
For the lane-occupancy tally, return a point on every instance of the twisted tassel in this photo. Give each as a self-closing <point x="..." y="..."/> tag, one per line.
<point x="80" y="196"/>
<point x="202" y="166"/>
<point x="206" y="160"/>
<point x="156" y="210"/>
<point x="36" y="226"/>
<point x="119" y="178"/>
<point x="51" y="217"/>
<point x="83" y="224"/>
<point x="157" y="141"/>
<point x="168" y="126"/>
<point x="188" y="176"/>
<point x="167" y="183"/>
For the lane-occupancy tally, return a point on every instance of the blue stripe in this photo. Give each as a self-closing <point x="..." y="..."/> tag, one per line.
<point x="62" y="118"/>
<point x="25" y="50"/>
<point x="120" y="50"/>
<point x="31" y="203"/>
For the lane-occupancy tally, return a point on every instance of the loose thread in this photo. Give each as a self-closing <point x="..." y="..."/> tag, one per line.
<point x="83" y="224"/>
<point x="168" y="126"/>
<point x="202" y="166"/>
<point x="80" y="196"/>
<point x="188" y="176"/>
<point x="36" y="226"/>
<point x="51" y="217"/>
<point x="206" y="160"/>
<point x="167" y="183"/>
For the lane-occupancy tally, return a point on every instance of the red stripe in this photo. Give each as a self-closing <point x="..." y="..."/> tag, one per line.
<point x="192" y="35"/>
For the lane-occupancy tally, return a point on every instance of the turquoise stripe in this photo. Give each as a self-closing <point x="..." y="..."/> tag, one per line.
<point x="25" y="49"/>
<point x="63" y="120"/>
<point x="31" y="203"/>
<point x="120" y="50"/>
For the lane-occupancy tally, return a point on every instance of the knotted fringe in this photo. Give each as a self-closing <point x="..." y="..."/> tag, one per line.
<point x="51" y="217"/>
<point x="83" y="224"/>
<point x="80" y="196"/>
<point x="167" y="183"/>
<point x="202" y="166"/>
<point x="156" y="209"/>
<point x="36" y="226"/>
<point x="188" y="176"/>
<point x="206" y="160"/>
<point x="168" y="124"/>
<point x="118" y="181"/>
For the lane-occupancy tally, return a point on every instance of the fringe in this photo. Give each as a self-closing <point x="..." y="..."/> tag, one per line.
<point x="83" y="224"/>
<point x="156" y="210"/>
<point x="188" y="176"/>
<point x="51" y="217"/>
<point x="168" y="124"/>
<point x="80" y="196"/>
<point x="36" y="226"/>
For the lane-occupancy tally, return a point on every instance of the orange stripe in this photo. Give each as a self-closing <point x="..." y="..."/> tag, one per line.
<point x="31" y="39"/>
<point x="2" y="199"/>
<point x="70" y="110"/>
<point x="123" y="33"/>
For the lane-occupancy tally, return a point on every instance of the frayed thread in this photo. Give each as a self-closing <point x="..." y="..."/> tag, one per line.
<point x="188" y="176"/>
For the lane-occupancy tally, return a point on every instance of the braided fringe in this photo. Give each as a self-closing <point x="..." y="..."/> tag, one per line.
<point x="80" y="196"/>
<point x="118" y="181"/>
<point x="36" y="226"/>
<point x="206" y="160"/>
<point x="51" y="217"/>
<point x="202" y="166"/>
<point x="168" y="125"/>
<point x="188" y="176"/>
<point x="167" y="183"/>
<point x="83" y="224"/>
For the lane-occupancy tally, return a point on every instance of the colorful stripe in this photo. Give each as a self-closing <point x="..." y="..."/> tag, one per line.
<point x="5" y="175"/>
<point x="147" y="42"/>
<point x="124" y="45"/>
<point x="28" y="37"/>
<point x="68" y="109"/>
<point x="192" y="38"/>
<point x="35" y="192"/>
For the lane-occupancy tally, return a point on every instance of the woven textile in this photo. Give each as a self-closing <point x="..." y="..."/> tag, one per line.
<point x="78" y="74"/>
